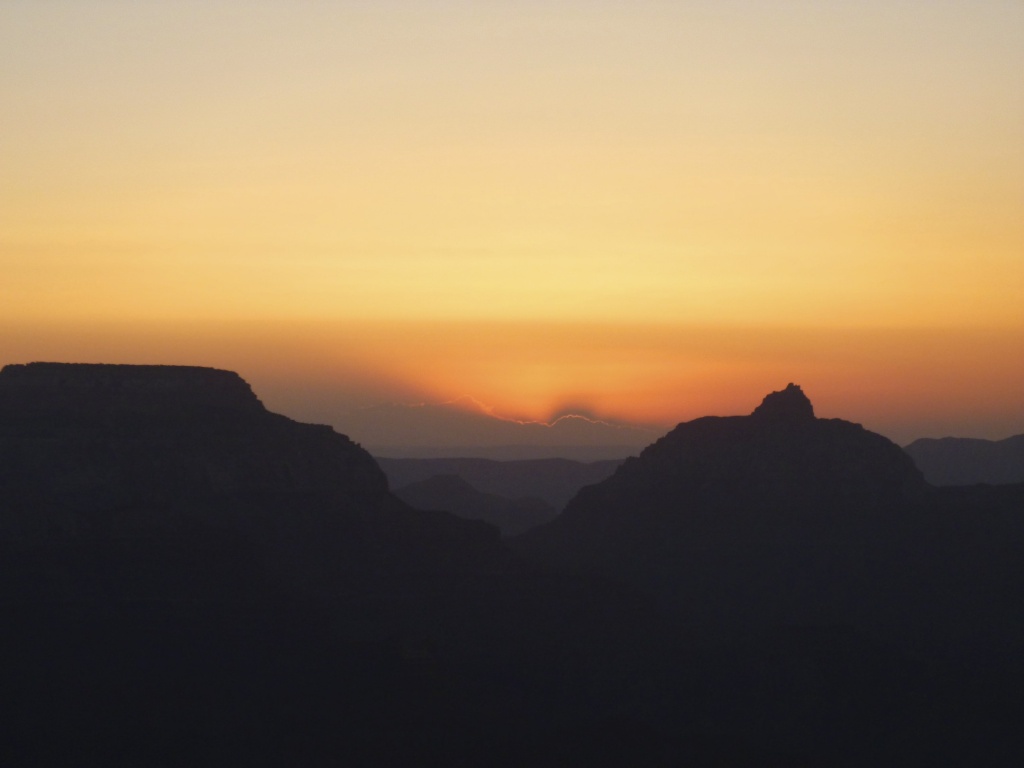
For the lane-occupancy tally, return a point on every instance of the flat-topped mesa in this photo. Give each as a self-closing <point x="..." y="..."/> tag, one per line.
<point x="136" y="387"/>
<point x="100" y="436"/>
<point x="789" y="404"/>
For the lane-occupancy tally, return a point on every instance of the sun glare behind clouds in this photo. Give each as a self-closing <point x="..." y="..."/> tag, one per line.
<point x="645" y="209"/>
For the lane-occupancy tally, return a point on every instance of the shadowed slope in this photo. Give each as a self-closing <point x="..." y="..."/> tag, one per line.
<point x="112" y="449"/>
<point x="453" y="494"/>
<point x="182" y="564"/>
<point x="194" y="580"/>
<point x="779" y="472"/>
<point x="79" y="439"/>
<point x="554" y="480"/>
<point x="782" y="517"/>
<point x="834" y="602"/>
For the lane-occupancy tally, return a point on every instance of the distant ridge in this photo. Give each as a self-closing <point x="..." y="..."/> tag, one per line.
<point x="554" y="480"/>
<point x="505" y="453"/>
<point x="462" y="428"/>
<point x="964" y="461"/>
<point x="453" y="494"/>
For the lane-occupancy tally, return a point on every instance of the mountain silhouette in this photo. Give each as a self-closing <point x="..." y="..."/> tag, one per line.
<point x="780" y="458"/>
<point x="464" y="428"/>
<point x="964" y="461"/>
<point x="555" y="481"/>
<point x="186" y="578"/>
<point x="793" y="545"/>
<point x="775" y="516"/>
<point x="93" y="448"/>
<point x="178" y="562"/>
<point x="80" y="437"/>
<point x="745" y="501"/>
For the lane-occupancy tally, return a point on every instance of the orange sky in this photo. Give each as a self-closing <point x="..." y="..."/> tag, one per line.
<point x="645" y="210"/>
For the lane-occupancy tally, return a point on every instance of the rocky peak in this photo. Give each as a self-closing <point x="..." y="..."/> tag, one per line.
<point x="789" y="404"/>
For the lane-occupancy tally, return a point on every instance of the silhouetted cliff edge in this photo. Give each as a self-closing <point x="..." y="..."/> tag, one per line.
<point x="129" y="449"/>
<point x="78" y="388"/>
<point x="77" y="439"/>
<point x="778" y="473"/>
<point x="183" y="567"/>
<point x="188" y="579"/>
<point x="833" y="583"/>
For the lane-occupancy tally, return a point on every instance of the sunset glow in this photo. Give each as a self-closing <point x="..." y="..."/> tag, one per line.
<point x="638" y="211"/>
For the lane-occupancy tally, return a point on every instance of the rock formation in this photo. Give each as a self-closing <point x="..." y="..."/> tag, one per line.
<point x="85" y="387"/>
<point x="187" y="579"/>
<point x="810" y="566"/>
<point x="789" y="404"/>
<point x="773" y="517"/>
<point x="173" y="458"/>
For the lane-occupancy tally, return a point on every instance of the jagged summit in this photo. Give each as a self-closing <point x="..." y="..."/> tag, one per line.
<point x="138" y="387"/>
<point x="719" y="482"/>
<point x="789" y="404"/>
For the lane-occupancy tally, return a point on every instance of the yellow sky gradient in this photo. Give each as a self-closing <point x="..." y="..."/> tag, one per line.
<point x="647" y="210"/>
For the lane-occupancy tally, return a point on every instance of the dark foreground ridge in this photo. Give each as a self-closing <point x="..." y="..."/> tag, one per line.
<point x="186" y="578"/>
<point x="808" y="562"/>
<point x="82" y="437"/>
<point x="81" y="386"/>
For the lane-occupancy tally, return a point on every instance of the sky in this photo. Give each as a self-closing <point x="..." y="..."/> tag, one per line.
<point x="637" y="211"/>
